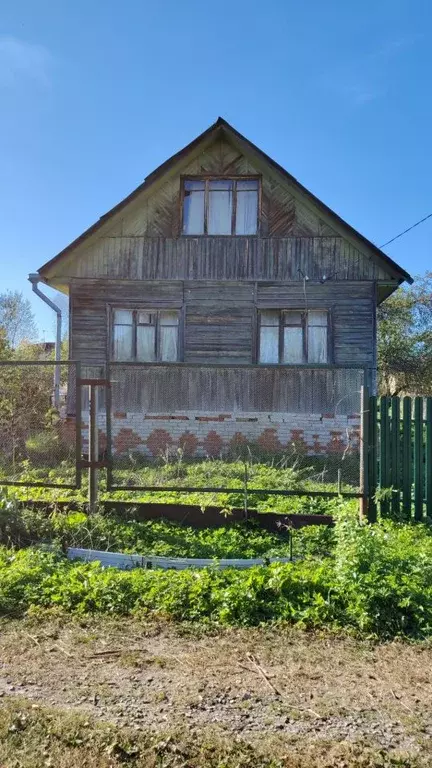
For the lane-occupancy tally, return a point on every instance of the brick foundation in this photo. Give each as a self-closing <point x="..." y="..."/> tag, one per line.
<point x="202" y="434"/>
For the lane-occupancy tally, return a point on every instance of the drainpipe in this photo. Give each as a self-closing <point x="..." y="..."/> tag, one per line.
<point x="35" y="279"/>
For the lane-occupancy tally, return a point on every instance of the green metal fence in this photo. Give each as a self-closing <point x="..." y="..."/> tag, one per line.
<point x="400" y="457"/>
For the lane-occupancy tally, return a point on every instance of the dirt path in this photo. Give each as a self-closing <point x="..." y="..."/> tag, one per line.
<point x="249" y="682"/>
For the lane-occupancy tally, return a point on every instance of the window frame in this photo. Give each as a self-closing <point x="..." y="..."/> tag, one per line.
<point x="155" y="311"/>
<point x="304" y="325"/>
<point x="206" y="178"/>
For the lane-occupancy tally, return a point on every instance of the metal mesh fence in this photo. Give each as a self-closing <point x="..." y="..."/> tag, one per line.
<point x="38" y="443"/>
<point x="242" y="431"/>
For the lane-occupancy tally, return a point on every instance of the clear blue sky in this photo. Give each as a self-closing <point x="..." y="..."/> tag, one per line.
<point x="94" y="94"/>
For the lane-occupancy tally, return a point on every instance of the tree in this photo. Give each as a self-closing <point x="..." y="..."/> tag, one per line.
<point x="405" y="340"/>
<point x="16" y="318"/>
<point x="5" y="351"/>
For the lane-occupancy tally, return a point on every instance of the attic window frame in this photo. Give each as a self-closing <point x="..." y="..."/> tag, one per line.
<point x="206" y="178"/>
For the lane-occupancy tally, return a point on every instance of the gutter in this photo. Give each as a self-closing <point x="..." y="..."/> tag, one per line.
<point x="35" y="279"/>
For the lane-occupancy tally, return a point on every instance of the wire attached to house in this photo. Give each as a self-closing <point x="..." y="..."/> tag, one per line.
<point x="406" y="230"/>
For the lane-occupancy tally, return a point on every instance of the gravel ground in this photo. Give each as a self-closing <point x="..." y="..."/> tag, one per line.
<point x="247" y="682"/>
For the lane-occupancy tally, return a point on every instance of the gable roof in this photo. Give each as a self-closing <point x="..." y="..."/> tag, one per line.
<point x="223" y="125"/>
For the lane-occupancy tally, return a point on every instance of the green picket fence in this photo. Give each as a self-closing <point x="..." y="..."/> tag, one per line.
<point x="400" y="457"/>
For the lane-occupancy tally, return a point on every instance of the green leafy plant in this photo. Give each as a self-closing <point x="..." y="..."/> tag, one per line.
<point x="371" y="579"/>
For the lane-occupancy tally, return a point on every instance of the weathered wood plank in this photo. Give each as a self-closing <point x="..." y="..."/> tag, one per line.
<point x="169" y="388"/>
<point x="220" y="316"/>
<point x="223" y="258"/>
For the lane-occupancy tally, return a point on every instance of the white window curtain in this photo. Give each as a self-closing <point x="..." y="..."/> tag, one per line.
<point x="123" y="335"/>
<point x="293" y="338"/>
<point x="220" y="207"/>
<point x="193" y="208"/>
<point x="317" y="336"/>
<point x="247" y="208"/>
<point x="297" y="348"/>
<point x="168" y="330"/>
<point x="146" y="335"/>
<point x="293" y="346"/>
<point x="269" y="337"/>
<point x="146" y="352"/>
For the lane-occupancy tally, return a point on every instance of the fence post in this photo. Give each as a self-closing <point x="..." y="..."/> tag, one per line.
<point x="394" y="447"/>
<point x="429" y="456"/>
<point x="93" y="449"/>
<point x="407" y="458"/>
<point x="384" y="452"/>
<point x="373" y="458"/>
<point x="78" y="424"/>
<point x="364" y="451"/>
<point x="418" y="458"/>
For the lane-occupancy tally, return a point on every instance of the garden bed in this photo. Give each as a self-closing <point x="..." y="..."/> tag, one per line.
<point x="374" y="579"/>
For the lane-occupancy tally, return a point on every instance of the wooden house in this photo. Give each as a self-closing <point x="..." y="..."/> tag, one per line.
<point x="229" y="303"/>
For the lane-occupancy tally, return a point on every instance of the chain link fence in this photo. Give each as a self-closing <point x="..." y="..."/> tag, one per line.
<point x="38" y="443"/>
<point x="241" y="435"/>
<point x="244" y="431"/>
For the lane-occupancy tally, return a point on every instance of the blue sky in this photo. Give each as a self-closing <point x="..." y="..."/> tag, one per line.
<point x="95" y="95"/>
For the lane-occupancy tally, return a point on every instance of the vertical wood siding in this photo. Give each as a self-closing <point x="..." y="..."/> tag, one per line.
<point x="224" y="258"/>
<point x="175" y="388"/>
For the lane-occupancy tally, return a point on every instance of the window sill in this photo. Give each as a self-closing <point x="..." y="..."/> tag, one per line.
<point x="256" y="235"/>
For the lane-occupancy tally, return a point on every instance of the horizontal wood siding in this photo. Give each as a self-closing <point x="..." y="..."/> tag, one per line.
<point x="352" y="314"/>
<point x="220" y="317"/>
<point x="89" y="302"/>
<point x="224" y="258"/>
<point x="219" y="322"/>
<point x="169" y="388"/>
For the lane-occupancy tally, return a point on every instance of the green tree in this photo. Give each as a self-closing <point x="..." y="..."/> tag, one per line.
<point x="405" y="340"/>
<point x="5" y="350"/>
<point x="16" y="318"/>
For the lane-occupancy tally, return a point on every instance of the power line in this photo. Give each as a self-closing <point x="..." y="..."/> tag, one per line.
<point x="406" y="230"/>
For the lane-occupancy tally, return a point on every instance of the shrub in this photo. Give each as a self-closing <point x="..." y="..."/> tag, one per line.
<point x="385" y="572"/>
<point x="43" y="446"/>
<point x="290" y="592"/>
<point x="157" y="537"/>
<point x="375" y="579"/>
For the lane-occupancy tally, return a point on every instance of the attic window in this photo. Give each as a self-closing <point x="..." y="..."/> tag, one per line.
<point x="220" y="206"/>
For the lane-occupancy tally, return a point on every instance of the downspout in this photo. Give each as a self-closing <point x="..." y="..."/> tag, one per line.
<point x="35" y="279"/>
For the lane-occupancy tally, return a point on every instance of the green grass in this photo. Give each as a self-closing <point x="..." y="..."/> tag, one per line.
<point x="39" y="736"/>
<point x="302" y="475"/>
<point x="23" y="527"/>
<point x="31" y="737"/>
